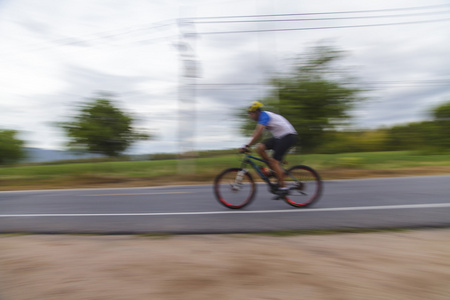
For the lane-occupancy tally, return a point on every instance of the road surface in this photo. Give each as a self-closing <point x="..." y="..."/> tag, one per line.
<point x="362" y="203"/>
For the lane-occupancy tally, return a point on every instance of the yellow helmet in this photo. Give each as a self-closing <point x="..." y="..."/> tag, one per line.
<point x="255" y="106"/>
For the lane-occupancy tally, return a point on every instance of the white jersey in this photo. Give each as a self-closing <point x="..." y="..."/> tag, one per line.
<point x="276" y="124"/>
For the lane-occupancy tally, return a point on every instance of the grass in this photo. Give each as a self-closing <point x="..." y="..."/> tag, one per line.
<point x="377" y="160"/>
<point x="160" y="172"/>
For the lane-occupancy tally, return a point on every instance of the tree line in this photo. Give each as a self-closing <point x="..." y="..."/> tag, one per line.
<point x="317" y="97"/>
<point x="99" y="127"/>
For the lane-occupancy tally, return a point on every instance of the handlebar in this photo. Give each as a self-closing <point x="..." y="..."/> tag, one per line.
<point x="244" y="150"/>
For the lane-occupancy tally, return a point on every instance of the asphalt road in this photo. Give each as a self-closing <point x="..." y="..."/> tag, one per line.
<point x="363" y="203"/>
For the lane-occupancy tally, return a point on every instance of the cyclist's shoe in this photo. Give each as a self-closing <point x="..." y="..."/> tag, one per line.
<point x="283" y="190"/>
<point x="281" y="193"/>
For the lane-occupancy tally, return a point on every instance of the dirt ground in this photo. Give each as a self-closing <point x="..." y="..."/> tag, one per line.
<point x="405" y="265"/>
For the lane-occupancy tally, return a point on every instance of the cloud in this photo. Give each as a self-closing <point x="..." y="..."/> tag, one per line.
<point x="57" y="54"/>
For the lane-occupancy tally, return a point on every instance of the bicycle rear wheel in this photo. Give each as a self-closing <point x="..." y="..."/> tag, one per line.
<point x="305" y="186"/>
<point x="234" y="188"/>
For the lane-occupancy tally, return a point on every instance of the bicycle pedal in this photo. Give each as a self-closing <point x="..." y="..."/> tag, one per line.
<point x="282" y="193"/>
<point x="277" y="198"/>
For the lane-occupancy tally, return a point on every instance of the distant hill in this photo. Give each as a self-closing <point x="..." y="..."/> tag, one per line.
<point x="44" y="155"/>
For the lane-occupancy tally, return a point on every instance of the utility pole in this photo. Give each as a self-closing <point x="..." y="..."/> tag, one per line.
<point x="186" y="96"/>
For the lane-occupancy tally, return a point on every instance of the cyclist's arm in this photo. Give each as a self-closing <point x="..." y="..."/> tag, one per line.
<point x="257" y="134"/>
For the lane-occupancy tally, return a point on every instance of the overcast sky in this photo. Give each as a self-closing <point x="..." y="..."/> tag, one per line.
<point x="56" y="54"/>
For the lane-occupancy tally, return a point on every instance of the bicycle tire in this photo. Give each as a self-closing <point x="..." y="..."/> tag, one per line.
<point x="232" y="195"/>
<point x="305" y="189"/>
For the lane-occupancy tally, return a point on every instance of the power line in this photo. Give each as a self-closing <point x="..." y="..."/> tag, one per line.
<point x="240" y="85"/>
<point x="325" y="27"/>
<point x="130" y="30"/>
<point x="431" y="82"/>
<point x="323" y="19"/>
<point x="80" y="41"/>
<point x="125" y="31"/>
<point x="323" y="13"/>
<point x="158" y="25"/>
<point x="443" y="80"/>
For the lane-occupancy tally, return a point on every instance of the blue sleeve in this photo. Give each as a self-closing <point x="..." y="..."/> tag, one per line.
<point x="264" y="118"/>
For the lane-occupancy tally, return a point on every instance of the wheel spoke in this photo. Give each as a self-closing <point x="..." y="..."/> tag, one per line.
<point x="234" y="188"/>
<point x="304" y="184"/>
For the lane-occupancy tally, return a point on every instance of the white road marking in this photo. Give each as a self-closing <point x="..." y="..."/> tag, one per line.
<point x="307" y="210"/>
<point x="133" y="194"/>
<point x="106" y="189"/>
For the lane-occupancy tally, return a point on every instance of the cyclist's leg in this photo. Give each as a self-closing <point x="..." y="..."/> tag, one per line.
<point x="281" y="148"/>
<point x="268" y="144"/>
<point x="276" y="167"/>
<point x="271" y="144"/>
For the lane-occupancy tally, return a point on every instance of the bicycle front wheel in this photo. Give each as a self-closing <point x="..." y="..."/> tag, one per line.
<point x="234" y="188"/>
<point x="305" y="186"/>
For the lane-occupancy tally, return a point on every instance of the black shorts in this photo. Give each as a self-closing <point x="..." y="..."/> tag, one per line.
<point x="280" y="146"/>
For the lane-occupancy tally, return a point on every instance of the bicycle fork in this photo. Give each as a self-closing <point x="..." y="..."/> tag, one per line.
<point x="236" y="186"/>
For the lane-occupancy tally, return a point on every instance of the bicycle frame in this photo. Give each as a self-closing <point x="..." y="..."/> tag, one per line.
<point x="302" y="181"/>
<point x="249" y="160"/>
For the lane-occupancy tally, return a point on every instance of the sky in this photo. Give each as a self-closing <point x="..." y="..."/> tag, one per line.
<point x="55" y="55"/>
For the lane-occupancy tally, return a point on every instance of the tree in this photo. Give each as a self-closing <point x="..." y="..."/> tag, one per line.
<point x="102" y="128"/>
<point x="441" y="121"/>
<point x="316" y="97"/>
<point x="441" y="112"/>
<point x="407" y="136"/>
<point x="11" y="148"/>
<point x="432" y="136"/>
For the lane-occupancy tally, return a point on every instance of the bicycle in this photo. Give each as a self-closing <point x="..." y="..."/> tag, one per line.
<point x="235" y="187"/>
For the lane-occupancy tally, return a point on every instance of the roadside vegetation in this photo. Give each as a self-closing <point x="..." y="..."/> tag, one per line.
<point x="153" y="172"/>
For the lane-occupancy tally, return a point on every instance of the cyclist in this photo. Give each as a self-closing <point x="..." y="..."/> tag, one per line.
<point x="284" y="137"/>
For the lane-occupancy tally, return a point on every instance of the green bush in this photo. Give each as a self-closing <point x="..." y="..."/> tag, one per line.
<point x="348" y="162"/>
